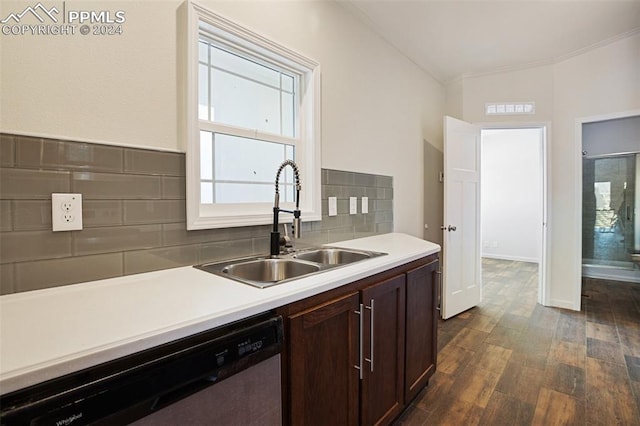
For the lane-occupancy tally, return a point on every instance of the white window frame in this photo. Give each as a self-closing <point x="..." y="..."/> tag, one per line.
<point x="308" y="148"/>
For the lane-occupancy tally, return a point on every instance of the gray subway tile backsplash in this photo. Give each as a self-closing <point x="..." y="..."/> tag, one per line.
<point x="362" y="179"/>
<point x="176" y="234"/>
<point x="383" y="216"/>
<point x="375" y="193"/>
<point x="382" y="205"/>
<point x="32" y="184"/>
<point x="54" y="154"/>
<point x="142" y="161"/>
<point x="153" y="211"/>
<point x="388" y="193"/>
<point x="7" y="152"/>
<point x="117" y="239"/>
<point x="384" y="181"/>
<point x="54" y="273"/>
<point x="116" y="186"/>
<point x="31" y="215"/>
<point x="383" y="228"/>
<point x="7" y="280"/>
<point x="102" y="213"/>
<point x="221" y="250"/>
<point x="339" y="177"/>
<point x="5" y="216"/>
<point x="343" y="207"/>
<point x="138" y="261"/>
<point x="18" y="246"/>
<point x="134" y="214"/>
<point x="174" y="188"/>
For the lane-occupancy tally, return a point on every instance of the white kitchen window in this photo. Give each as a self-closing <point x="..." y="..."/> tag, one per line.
<point x="248" y="105"/>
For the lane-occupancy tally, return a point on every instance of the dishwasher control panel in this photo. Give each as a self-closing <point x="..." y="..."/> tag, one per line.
<point x="127" y="389"/>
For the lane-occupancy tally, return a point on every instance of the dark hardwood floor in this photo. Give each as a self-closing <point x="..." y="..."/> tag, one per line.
<point x="511" y="361"/>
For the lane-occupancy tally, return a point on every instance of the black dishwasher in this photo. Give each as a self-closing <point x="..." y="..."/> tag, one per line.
<point x="229" y="375"/>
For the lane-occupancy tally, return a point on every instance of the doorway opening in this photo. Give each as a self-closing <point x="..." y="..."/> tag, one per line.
<point x="611" y="199"/>
<point x="462" y="234"/>
<point x="513" y="194"/>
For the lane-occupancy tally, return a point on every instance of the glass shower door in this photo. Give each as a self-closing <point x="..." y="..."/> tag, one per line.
<point x="608" y="210"/>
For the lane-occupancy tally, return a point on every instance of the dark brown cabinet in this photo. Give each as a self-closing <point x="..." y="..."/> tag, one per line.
<point x="358" y="354"/>
<point x="323" y="383"/>
<point x="421" y="328"/>
<point x="383" y="346"/>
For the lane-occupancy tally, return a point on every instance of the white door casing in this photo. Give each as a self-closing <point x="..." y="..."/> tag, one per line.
<point x="461" y="286"/>
<point x="543" y="269"/>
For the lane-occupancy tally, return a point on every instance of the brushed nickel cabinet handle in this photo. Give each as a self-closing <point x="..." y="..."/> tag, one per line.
<point x="361" y="355"/>
<point x="372" y="309"/>
<point x="439" y="290"/>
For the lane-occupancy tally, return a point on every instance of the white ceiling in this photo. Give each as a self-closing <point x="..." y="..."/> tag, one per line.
<point x="451" y="38"/>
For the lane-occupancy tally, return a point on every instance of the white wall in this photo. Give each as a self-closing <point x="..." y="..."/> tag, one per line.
<point x="111" y="89"/>
<point x="454" y="104"/>
<point x="511" y="194"/>
<point x="601" y="81"/>
<point x="531" y="84"/>
<point x="377" y="106"/>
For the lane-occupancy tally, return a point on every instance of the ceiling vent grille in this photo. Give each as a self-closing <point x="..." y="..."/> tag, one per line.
<point x="510" y="108"/>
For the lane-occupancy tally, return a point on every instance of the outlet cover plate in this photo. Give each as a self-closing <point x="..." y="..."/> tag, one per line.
<point x="333" y="206"/>
<point x="353" y="205"/>
<point x="365" y="205"/>
<point x="66" y="212"/>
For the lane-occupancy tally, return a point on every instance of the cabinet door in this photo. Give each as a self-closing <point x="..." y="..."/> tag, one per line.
<point x="383" y="344"/>
<point x="323" y="352"/>
<point x="422" y="328"/>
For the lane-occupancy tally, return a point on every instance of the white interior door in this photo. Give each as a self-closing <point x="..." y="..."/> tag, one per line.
<point x="544" y="252"/>
<point x="461" y="284"/>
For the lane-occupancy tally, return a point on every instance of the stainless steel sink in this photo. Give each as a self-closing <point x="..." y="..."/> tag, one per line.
<point x="264" y="272"/>
<point x="261" y="272"/>
<point x="270" y="270"/>
<point x="333" y="256"/>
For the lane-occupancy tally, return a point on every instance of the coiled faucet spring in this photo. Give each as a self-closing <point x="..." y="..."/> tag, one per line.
<point x="275" y="234"/>
<point x="296" y="173"/>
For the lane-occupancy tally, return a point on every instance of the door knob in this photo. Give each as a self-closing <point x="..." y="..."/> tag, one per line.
<point x="450" y="228"/>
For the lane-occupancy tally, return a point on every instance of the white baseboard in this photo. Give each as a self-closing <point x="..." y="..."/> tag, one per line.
<point x="611" y="273"/>
<point x="514" y="258"/>
<point x="564" y="304"/>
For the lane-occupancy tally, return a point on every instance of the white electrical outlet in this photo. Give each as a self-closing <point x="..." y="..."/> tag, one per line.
<point x="333" y="206"/>
<point x="353" y="205"/>
<point x="66" y="212"/>
<point x="365" y="205"/>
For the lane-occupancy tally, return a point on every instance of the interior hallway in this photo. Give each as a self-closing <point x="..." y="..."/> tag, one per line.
<point x="510" y="361"/>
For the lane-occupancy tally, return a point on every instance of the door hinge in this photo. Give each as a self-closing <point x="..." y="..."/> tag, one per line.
<point x="441" y="176"/>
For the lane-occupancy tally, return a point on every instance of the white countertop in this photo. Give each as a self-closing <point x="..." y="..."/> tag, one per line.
<point x="49" y="333"/>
